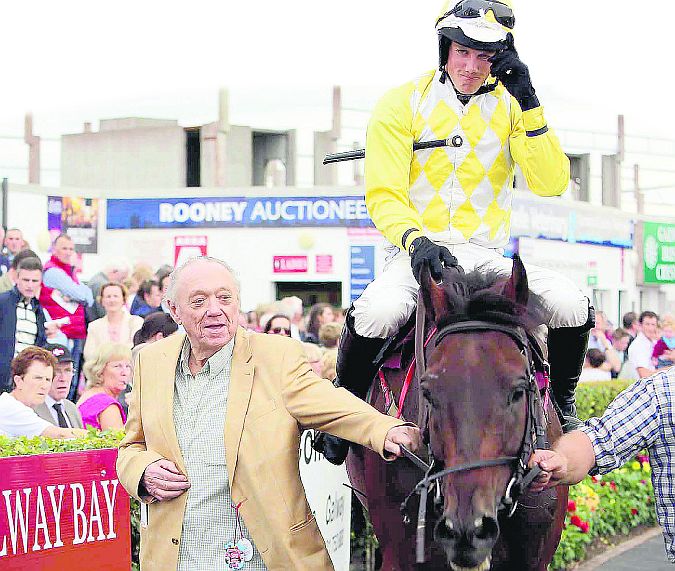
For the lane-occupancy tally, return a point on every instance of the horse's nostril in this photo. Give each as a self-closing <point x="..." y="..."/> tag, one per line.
<point x="487" y="528"/>
<point x="445" y="529"/>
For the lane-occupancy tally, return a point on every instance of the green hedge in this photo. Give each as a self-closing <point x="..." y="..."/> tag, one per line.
<point x="593" y="398"/>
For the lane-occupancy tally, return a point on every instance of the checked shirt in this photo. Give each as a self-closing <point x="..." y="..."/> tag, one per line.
<point x="642" y="416"/>
<point x="199" y="407"/>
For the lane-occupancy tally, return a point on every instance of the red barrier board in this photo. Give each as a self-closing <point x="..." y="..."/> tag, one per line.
<point x="63" y="511"/>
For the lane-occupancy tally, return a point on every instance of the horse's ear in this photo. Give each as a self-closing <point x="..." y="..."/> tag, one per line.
<point x="516" y="287"/>
<point x="436" y="301"/>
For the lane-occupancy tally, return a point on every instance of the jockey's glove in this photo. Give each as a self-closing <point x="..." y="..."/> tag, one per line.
<point x="514" y="75"/>
<point x="424" y="252"/>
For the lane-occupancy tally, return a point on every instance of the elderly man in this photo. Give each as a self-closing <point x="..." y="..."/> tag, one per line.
<point x="56" y="408"/>
<point x="218" y="413"/>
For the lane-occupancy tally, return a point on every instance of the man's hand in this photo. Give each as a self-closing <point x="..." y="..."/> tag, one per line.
<point x="553" y="466"/>
<point x="408" y="436"/>
<point x="163" y="480"/>
<point x="424" y="252"/>
<point x="514" y="75"/>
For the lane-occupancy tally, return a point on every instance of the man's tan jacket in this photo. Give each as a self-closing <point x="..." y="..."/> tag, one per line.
<point x="273" y="396"/>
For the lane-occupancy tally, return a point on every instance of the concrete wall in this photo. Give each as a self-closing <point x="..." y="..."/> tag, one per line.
<point x="121" y="157"/>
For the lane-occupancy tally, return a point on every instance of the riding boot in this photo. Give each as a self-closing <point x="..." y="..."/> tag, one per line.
<point x="355" y="370"/>
<point x="566" y="351"/>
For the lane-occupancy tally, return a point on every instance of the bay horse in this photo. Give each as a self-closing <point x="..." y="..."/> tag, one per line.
<point x="481" y="412"/>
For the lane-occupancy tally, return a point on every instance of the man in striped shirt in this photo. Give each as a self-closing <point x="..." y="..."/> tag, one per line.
<point x="642" y="416"/>
<point x="22" y="321"/>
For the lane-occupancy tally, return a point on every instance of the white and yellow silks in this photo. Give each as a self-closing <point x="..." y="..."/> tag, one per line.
<point x="455" y="195"/>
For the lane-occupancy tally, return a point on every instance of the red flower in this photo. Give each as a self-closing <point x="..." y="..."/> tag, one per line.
<point x="642" y="459"/>
<point x="613" y="486"/>
<point x="633" y="511"/>
<point x="603" y="484"/>
<point x="595" y="479"/>
<point x="576" y="520"/>
<point x="571" y="506"/>
<point x="584" y="526"/>
<point x="643" y="482"/>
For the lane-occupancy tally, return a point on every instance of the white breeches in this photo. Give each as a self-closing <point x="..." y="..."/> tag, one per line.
<point x="389" y="300"/>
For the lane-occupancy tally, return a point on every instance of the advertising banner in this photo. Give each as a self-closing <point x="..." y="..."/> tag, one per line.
<point x="77" y="217"/>
<point x="188" y="247"/>
<point x="330" y="500"/>
<point x="290" y="264"/>
<point x="63" y="511"/>
<point x="362" y="269"/>
<point x="658" y="253"/>
<point x="237" y="212"/>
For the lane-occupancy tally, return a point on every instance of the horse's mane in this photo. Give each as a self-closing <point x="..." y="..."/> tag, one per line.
<point x="477" y="296"/>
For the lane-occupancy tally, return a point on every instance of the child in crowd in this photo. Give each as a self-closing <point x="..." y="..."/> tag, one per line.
<point x="661" y="355"/>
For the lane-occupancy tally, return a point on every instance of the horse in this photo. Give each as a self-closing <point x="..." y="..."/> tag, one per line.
<point x="473" y="392"/>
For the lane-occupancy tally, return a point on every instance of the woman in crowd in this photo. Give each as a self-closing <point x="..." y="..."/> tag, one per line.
<point x="117" y="326"/>
<point x="278" y="324"/>
<point x="32" y="374"/>
<point x="329" y="335"/>
<point x="594" y="369"/>
<point x="319" y="314"/>
<point x="142" y="272"/>
<point x="155" y="326"/>
<point x="107" y="373"/>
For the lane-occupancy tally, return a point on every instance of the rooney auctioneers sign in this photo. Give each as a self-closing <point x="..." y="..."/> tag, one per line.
<point x="63" y="511"/>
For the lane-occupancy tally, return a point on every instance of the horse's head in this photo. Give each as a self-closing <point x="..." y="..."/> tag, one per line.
<point x="475" y="384"/>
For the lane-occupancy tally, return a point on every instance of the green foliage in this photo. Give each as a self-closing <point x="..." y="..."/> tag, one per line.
<point x="37" y="445"/>
<point x="593" y="398"/>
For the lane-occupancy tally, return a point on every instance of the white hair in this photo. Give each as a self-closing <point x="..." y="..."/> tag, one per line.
<point x="172" y="289"/>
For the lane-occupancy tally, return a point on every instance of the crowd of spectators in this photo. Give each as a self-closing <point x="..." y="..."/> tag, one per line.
<point x="643" y="345"/>
<point x="91" y="332"/>
<point x="67" y="345"/>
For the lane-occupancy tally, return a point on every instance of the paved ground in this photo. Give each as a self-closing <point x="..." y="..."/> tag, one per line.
<point x="648" y="556"/>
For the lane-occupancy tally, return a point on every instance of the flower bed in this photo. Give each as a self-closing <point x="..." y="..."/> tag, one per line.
<point x="600" y="508"/>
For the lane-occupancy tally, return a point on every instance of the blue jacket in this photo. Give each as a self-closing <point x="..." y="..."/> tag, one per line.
<point x="8" y="302"/>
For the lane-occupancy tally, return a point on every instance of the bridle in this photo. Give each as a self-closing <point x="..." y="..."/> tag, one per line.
<point x="534" y="435"/>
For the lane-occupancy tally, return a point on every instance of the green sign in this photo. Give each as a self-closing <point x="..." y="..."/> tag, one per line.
<point x="658" y="249"/>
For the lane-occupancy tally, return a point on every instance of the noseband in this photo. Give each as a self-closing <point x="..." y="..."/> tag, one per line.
<point x="534" y="435"/>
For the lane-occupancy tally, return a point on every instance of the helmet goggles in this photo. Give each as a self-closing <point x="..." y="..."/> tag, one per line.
<point x="478" y="8"/>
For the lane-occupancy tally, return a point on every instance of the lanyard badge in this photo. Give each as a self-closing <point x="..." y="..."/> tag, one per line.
<point x="239" y="551"/>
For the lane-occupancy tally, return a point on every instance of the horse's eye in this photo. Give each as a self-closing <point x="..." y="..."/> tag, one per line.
<point x="517" y="395"/>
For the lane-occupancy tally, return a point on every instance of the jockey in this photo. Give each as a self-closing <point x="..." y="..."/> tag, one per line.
<point x="452" y="205"/>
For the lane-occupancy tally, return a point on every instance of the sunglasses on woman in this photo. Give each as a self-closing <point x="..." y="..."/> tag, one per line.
<point x="281" y="331"/>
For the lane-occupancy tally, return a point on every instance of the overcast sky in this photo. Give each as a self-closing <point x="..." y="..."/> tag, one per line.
<point x="75" y="61"/>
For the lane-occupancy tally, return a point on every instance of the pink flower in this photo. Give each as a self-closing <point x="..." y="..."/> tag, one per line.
<point x="584" y="526"/>
<point x="613" y="486"/>
<point x="643" y="482"/>
<point x="571" y="506"/>
<point x="642" y="458"/>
